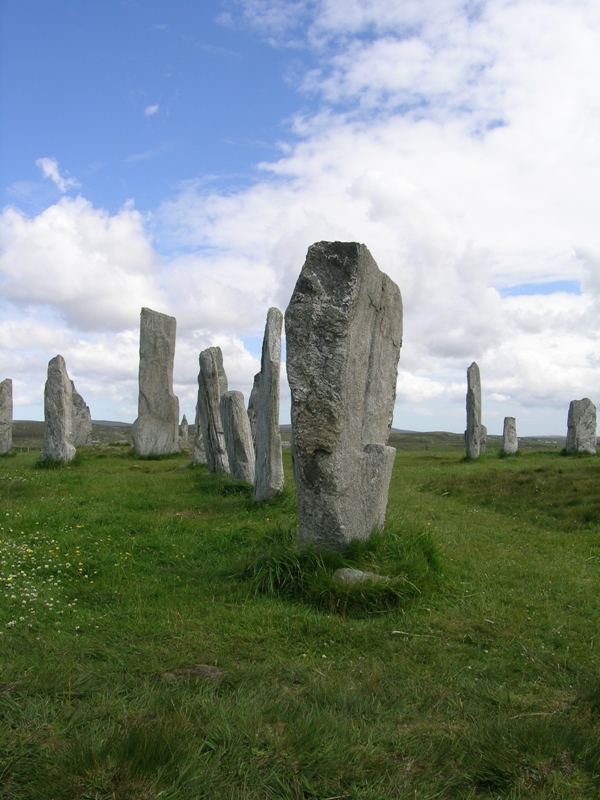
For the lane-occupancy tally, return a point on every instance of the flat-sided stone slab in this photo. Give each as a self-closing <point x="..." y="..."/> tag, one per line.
<point x="238" y="437"/>
<point x="156" y="429"/>
<point x="58" y="414"/>
<point x="82" y="420"/>
<point x="343" y="339"/>
<point x="184" y="430"/>
<point x="6" y="415"/>
<point x="349" y="575"/>
<point x="212" y="383"/>
<point x="473" y="434"/>
<point x="253" y="407"/>
<point x="510" y="442"/>
<point x="268" y="469"/>
<point x="581" y="427"/>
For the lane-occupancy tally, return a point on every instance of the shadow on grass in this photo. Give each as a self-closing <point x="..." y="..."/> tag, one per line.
<point x="50" y="463"/>
<point x="407" y="561"/>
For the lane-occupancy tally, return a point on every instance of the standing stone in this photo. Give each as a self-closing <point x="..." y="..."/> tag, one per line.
<point x="581" y="427"/>
<point x="482" y="440"/>
<point x="343" y="336"/>
<point x="6" y="415"/>
<point x="198" y="451"/>
<point x="212" y="383"/>
<point x="510" y="443"/>
<point x="156" y="429"/>
<point x="58" y="414"/>
<point x="268" y="471"/>
<point x="253" y="407"/>
<point x="82" y="419"/>
<point x="238" y="436"/>
<point x="473" y="432"/>
<point x="184" y="430"/>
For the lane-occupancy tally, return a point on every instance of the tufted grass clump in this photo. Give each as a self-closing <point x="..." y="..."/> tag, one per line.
<point x="408" y="563"/>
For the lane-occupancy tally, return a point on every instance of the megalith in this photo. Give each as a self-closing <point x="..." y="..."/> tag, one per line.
<point x="198" y="451"/>
<point x="581" y="427"/>
<point x="238" y="436"/>
<point x="156" y="429"/>
<point x="510" y="443"/>
<point x="6" y="415"/>
<point x="268" y="469"/>
<point x="473" y="434"/>
<point x="343" y="338"/>
<point x="184" y="430"/>
<point x="253" y="407"/>
<point x="58" y="414"/>
<point x="212" y="383"/>
<point x="82" y="419"/>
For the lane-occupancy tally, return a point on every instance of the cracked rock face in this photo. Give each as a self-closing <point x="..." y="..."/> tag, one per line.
<point x="581" y="427"/>
<point x="343" y="338"/>
<point x="510" y="442"/>
<point x="238" y="437"/>
<point x="82" y="419"/>
<point x="58" y="414"/>
<point x="212" y="383"/>
<point x="268" y="468"/>
<point x="156" y="429"/>
<point x="6" y="415"/>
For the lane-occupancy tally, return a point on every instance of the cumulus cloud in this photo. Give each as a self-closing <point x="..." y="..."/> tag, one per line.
<point x="150" y="111"/>
<point x="49" y="168"/>
<point x="95" y="270"/>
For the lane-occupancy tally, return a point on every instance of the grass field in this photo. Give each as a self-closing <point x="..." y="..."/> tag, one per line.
<point x="150" y="647"/>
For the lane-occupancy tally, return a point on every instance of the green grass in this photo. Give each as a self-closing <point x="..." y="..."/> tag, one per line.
<point x="472" y="673"/>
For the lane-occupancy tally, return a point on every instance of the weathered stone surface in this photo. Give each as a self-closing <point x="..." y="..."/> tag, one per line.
<point x="184" y="429"/>
<point x="6" y="415"/>
<point x="343" y="338"/>
<point x="510" y="442"/>
<point x="349" y="575"/>
<point x="253" y="407"/>
<point x="212" y="383"/>
<point x="82" y="419"/>
<point x="482" y="440"/>
<point x="268" y="469"/>
<point x="198" y="451"/>
<point x="581" y="427"/>
<point x="238" y="437"/>
<point x="58" y="414"/>
<point x="473" y="432"/>
<point x="156" y="429"/>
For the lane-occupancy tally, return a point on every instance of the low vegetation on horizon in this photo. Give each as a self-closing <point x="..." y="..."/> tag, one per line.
<point x="163" y="636"/>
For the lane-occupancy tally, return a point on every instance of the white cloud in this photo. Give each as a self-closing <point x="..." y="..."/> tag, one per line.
<point x="150" y="111"/>
<point x="49" y="168"/>
<point x="461" y="143"/>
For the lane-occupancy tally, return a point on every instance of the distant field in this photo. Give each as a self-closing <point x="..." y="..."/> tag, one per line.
<point x="28" y="436"/>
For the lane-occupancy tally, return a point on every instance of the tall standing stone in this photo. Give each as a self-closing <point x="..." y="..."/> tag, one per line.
<point x="268" y="471"/>
<point x="82" y="419"/>
<point x="581" y="427"/>
<point x="198" y="451"/>
<point x="6" y="415"/>
<point x="156" y="429"/>
<point x="473" y="433"/>
<point x="510" y="442"/>
<point x="58" y="414"/>
<point x="343" y="338"/>
<point x="212" y="383"/>
<point x="253" y="407"/>
<point x="184" y="430"/>
<point x="238" y="436"/>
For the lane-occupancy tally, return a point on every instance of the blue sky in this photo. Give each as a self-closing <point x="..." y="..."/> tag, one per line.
<point x="135" y="97"/>
<point x="183" y="156"/>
